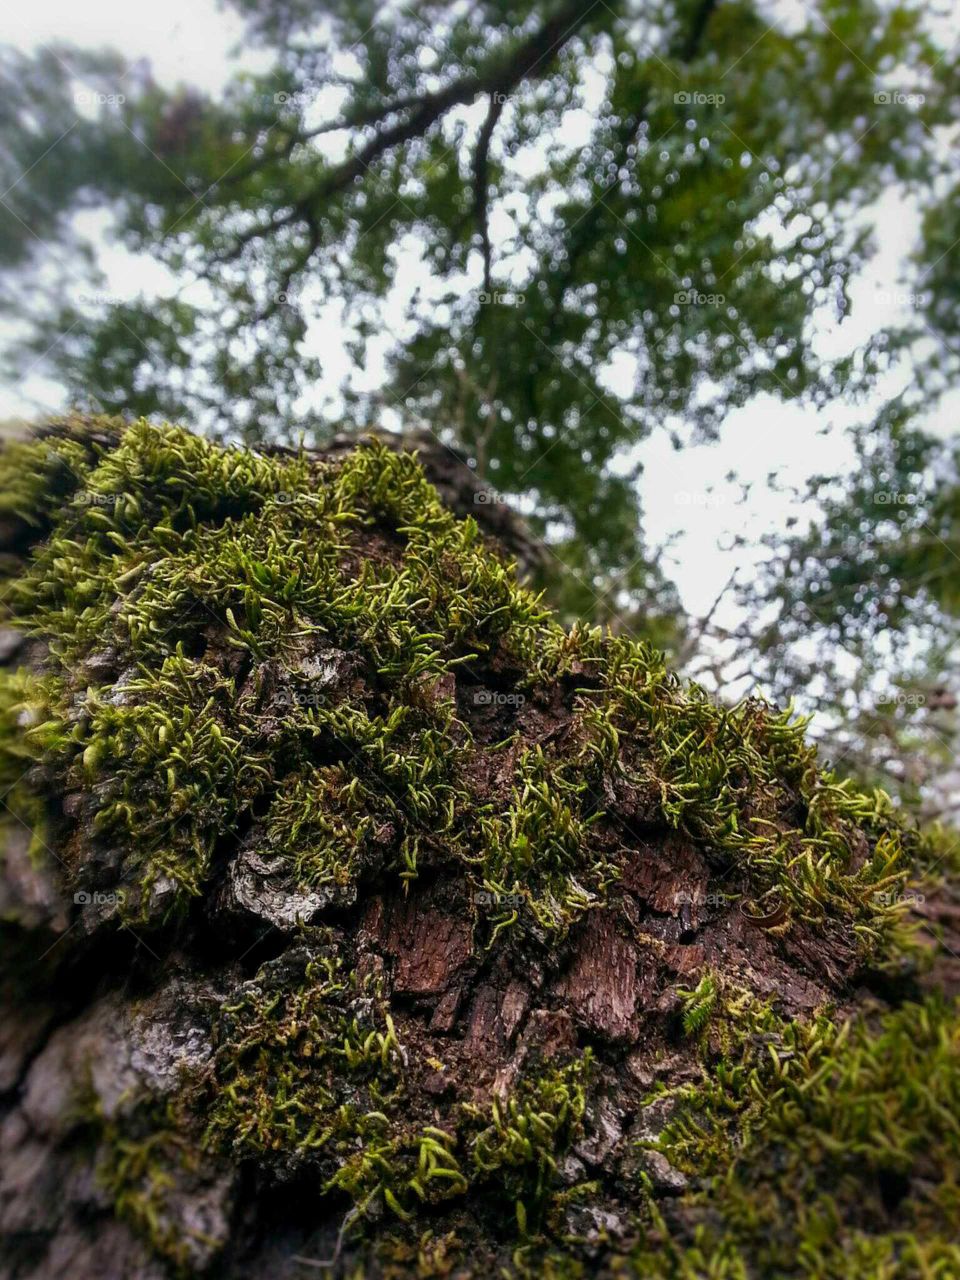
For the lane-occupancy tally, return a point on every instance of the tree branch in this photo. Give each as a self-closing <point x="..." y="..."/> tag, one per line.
<point x="480" y="168"/>
<point x="529" y="59"/>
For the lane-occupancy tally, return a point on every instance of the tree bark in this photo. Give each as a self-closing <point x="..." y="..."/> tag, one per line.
<point x="391" y="991"/>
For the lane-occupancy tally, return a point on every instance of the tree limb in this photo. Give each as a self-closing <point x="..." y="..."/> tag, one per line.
<point x="529" y="59"/>
<point x="480" y="168"/>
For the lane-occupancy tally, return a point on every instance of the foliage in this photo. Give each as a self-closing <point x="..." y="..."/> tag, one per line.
<point x="528" y="1131"/>
<point x="144" y="1150"/>
<point x="664" y="193"/>
<point x="302" y="1071"/>
<point x="873" y="578"/>
<point x="698" y="1005"/>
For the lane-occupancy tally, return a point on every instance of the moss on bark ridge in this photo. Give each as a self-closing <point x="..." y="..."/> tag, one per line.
<point x="432" y="938"/>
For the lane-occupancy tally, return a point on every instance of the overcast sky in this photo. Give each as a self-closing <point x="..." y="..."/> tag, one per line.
<point x="683" y="491"/>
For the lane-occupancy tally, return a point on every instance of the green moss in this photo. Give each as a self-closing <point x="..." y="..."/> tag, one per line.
<point x="185" y="592"/>
<point x="324" y="823"/>
<point x="27" y="736"/>
<point x="539" y="849"/>
<point x="138" y="544"/>
<point x="822" y="1149"/>
<point x="527" y="1133"/>
<point x="304" y="1060"/>
<point x="308" y="1067"/>
<point x="408" y="756"/>
<point x="510" y="1148"/>
<point x="742" y="781"/>
<point x="39" y="477"/>
<point x="698" y="1004"/>
<point x="183" y="551"/>
<point x="431" y="1256"/>
<point x="23" y="702"/>
<point x="410" y="1168"/>
<point x="146" y="1157"/>
<point x="171" y="769"/>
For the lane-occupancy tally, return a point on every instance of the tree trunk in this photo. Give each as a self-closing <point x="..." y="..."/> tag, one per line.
<point x="358" y="920"/>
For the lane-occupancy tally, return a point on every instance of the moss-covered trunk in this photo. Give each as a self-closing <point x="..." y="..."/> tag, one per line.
<point x="358" y="919"/>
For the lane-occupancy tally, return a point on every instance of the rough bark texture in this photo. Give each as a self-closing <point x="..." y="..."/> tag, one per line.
<point x="356" y="917"/>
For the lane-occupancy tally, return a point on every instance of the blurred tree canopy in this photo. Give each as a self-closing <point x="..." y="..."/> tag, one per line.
<point x="556" y="227"/>
<point x="861" y="611"/>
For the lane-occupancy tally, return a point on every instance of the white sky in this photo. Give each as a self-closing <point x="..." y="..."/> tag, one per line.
<point x="188" y="40"/>
<point x="683" y="491"/>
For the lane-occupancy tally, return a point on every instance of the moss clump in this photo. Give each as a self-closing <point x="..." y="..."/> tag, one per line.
<point x="38" y="479"/>
<point x="146" y="1157"/>
<point x="821" y="1149"/>
<point x="526" y="1135"/>
<point x="699" y="1004"/>
<point x="743" y="781"/>
<point x="405" y="1168"/>
<point x="308" y="1067"/>
<point x="306" y="1058"/>
<point x="193" y="551"/>
<point x="259" y="676"/>
<point x="27" y="736"/>
<point x="537" y="850"/>
<point x="167" y="757"/>
<point x="324" y="823"/>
